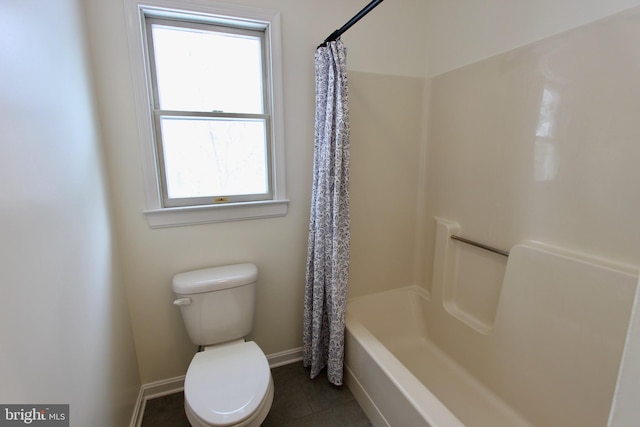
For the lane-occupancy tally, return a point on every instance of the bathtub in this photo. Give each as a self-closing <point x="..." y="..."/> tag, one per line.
<point x="539" y="346"/>
<point x="401" y="378"/>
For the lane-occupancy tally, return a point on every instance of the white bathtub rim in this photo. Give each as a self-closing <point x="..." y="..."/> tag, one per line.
<point x="422" y="399"/>
<point x="411" y="289"/>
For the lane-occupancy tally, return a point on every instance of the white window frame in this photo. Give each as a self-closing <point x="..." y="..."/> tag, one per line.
<point x="267" y="20"/>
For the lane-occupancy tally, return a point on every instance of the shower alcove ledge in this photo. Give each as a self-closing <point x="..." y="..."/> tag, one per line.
<point x="467" y="279"/>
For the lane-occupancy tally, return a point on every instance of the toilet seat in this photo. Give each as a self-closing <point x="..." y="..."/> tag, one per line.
<point x="228" y="385"/>
<point x="254" y="420"/>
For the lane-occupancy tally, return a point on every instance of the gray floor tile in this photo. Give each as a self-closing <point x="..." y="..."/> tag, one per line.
<point x="297" y="401"/>
<point x="165" y="411"/>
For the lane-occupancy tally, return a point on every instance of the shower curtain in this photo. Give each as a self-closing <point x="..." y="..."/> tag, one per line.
<point x="329" y="236"/>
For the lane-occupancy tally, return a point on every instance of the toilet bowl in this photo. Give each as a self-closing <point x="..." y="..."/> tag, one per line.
<point x="229" y="383"/>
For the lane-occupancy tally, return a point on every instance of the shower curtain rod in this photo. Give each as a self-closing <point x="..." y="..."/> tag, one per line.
<point x="337" y="33"/>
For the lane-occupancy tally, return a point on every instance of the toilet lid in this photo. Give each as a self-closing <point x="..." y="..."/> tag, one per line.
<point x="226" y="384"/>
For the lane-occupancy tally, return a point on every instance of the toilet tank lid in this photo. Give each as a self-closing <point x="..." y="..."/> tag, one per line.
<point x="214" y="278"/>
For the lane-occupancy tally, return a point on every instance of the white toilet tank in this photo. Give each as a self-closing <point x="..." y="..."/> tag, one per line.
<point x="218" y="303"/>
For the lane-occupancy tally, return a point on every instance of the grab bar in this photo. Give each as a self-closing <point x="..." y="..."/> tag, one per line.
<point x="480" y="245"/>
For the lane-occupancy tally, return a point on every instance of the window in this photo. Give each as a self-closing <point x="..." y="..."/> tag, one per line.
<point x="208" y="95"/>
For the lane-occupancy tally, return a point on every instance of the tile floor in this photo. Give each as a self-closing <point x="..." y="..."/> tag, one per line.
<point x="297" y="401"/>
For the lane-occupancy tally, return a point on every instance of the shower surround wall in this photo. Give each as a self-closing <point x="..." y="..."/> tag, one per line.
<point x="386" y="118"/>
<point x="541" y="143"/>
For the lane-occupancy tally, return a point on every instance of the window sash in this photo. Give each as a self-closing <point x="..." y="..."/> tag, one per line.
<point x="159" y="114"/>
<point x="224" y="14"/>
<point x="219" y="198"/>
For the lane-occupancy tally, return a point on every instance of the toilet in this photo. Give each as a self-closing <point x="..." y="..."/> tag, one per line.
<point x="229" y="382"/>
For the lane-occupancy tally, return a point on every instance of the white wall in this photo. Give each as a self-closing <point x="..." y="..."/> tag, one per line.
<point x="278" y="246"/>
<point x="62" y="288"/>
<point x="65" y="331"/>
<point x="389" y="40"/>
<point x="461" y="32"/>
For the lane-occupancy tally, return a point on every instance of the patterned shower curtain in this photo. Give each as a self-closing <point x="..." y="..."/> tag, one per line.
<point x="329" y="237"/>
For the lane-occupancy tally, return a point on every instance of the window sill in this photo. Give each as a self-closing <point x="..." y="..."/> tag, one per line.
<point x="192" y="215"/>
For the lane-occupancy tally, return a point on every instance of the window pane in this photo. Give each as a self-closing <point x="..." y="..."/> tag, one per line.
<point x="199" y="70"/>
<point x="214" y="157"/>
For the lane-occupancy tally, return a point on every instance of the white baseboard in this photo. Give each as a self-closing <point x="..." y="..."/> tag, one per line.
<point x="138" y="411"/>
<point x="176" y="384"/>
<point x="153" y="390"/>
<point x="285" y="357"/>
